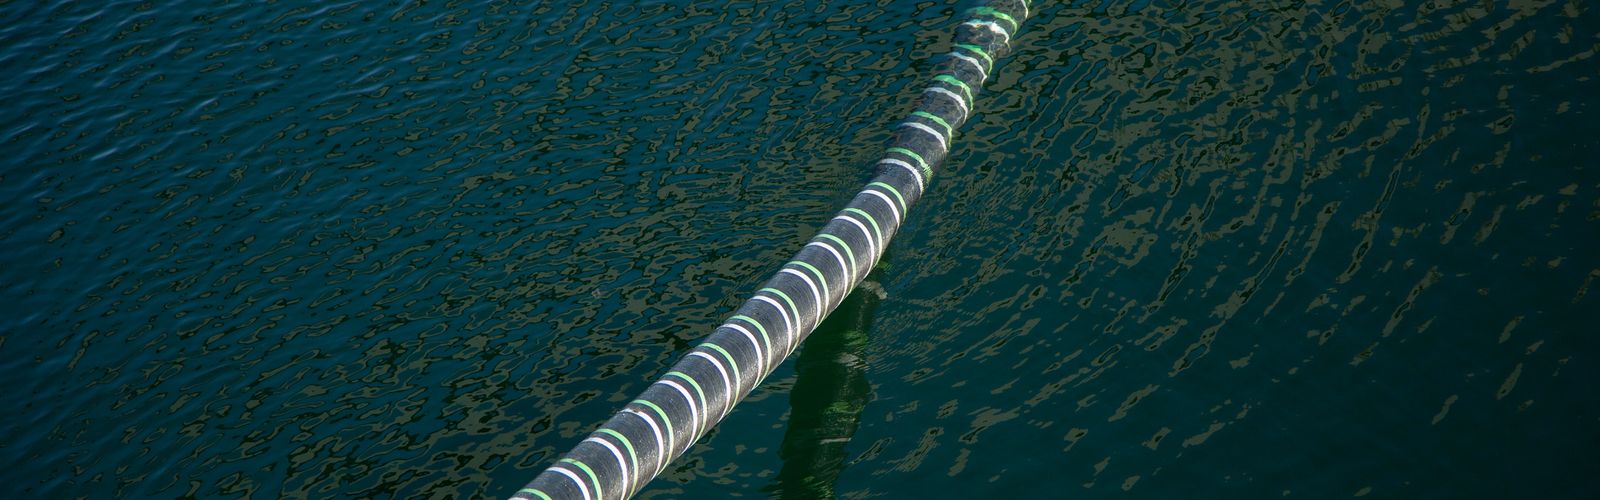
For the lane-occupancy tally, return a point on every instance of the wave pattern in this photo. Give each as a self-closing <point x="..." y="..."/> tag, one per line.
<point x="308" y="248"/>
<point x="1312" y="249"/>
<point x="297" y="249"/>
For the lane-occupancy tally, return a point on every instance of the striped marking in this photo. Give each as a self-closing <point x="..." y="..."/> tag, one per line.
<point x="887" y="202"/>
<point x="615" y="453"/>
<point x="531" y="491"/>
<point x="948" y="130"/>
<point x="761" y="359"/>
<point x="737" y="381"/>
<point x="590" y="472"/>
<point x="915" y="174"/>
<point x="816" y="296"/>
<point x="575" y="479"/>
<point x="962" y="104"/>
<point x="897" y="197"/>
<point x="791" y="302"/>
<point x="789" y="332"/>
<point x="787" y="300"/>
<point x="870" y="220"/>
<point x="943" y="142"/>
<point x="871" y="245"/>
<point x="694" y="411"/>
<point x="766" y="365"/>
<point x="1005" y="37"/>
<point x="965" y="90"/>
<point x="991" y="12"/>
<point x="921" y="163"/>
<point x="661" y="453"/>
<point x="847" y="252"/>
<point x="979" y="51"/>
<point x="823" y="279"/>
<point x="727" y="385"/>
<point x="698" y="391"/>
<point x="633" y="458"/>
<point x="672" y="439"/>
<point x="847" y="268"/>
<point x="942" y="127"/>
<point x="982" y="74"/>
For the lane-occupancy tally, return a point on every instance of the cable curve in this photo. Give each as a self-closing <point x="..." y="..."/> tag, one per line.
<point x="637" y="443"/>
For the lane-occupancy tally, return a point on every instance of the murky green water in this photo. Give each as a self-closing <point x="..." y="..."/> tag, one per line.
<point x="1304" y="249"/>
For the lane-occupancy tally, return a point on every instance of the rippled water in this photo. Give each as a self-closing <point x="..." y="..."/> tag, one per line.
<point x="1310" y="249"/>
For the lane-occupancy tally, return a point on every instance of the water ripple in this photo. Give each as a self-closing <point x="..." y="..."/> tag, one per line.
<point x="417" y="249"/>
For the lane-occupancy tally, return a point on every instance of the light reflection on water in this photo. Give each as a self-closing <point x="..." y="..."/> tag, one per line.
<point x="306" y="249"/>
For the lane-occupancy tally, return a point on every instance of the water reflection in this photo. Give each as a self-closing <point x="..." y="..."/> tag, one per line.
<point x="829" y="393"/>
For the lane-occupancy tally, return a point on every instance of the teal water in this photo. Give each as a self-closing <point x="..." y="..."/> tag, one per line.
<point x="1303" y="249"/>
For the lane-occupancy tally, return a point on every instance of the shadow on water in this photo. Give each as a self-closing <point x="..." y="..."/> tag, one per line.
<point x="829" y="394"/>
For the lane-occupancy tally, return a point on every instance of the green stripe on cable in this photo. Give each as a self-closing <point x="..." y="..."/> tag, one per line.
<point x="633" y="458"/>
<point x="764" y="338"/>
<point x="786" y="299"/>
<point x="531" y="491"/>
<point x="590" y="472"/>
<point x="847" y="252"/>
<point x="698" y="392"/>
<point x="870" y="220"/>
<point x="989" y="11"/>
<point x="671" y="439"/>
<point x="948" y="131"/>
<point x="965" y="90"/>
<point x="821" y="278"/>
<point x="979" y="51"/>
<point x="734" y="365"/>
<point x="921" y="163"/>
<point x="897" y="197"/>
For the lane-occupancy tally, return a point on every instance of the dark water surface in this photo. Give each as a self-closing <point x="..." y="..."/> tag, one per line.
<point x="1250" y="249"/>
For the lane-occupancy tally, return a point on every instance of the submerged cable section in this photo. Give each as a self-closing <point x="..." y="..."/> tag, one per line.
<point x="637" y="443"/>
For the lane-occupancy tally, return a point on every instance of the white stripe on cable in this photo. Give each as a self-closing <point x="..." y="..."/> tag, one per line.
<point x="864" y="231"/>
<point x="760" y="359"/>
<point x="727" y="385"/>
<point x="915" y="174"/>
<point x="815" y="293"/>
<point x="694" y="414"/>
<point x="886" y="201"/>
<point x="975" y="64"/>
<point x="615" y="453"/>
<point x="661" y="454"/>
<point x="790" y="335"/>
<point x="960" y="102"/>
<point x="943" y="142"/>
<point x="790" y="302"/>
<point x="581" y="487"/>
<point x="843" y="268"/>
<point x="1005" y="37"/>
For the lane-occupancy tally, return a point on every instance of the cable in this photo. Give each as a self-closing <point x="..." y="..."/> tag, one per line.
<point x="635" y="445"/>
